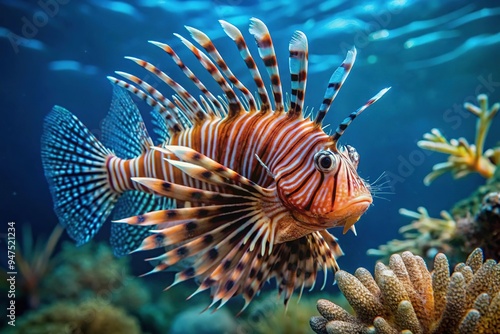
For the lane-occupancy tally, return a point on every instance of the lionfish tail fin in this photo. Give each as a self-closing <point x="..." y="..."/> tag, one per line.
<point x="348" y="120"/>
<point x="74" y="163"/>
<point x="298" y="71"/>
<point x="336" y="81"/>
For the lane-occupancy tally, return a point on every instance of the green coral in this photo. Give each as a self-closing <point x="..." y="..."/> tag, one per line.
<point x="132" y="296"/>
<point x="194" y="321"/>
<point x="83" y="272"/>
<point x="93" y="316"/>
<point x="472" y="204"/>
<point x="159" y="315"/>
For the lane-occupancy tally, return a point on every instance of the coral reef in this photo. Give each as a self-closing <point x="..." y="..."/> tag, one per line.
<point x="472" y="204"/>
<point x="89" y="279"/>
<point x="84" y="272"/>
<point x="465" y="158"/>
<point x="472" y="222"/>
<point x="423" y="236"/>
<point x="93" y="316"/>
<point x="405" y="297"/>
<point x="89" y="273"/>
<point x="483" y="229"/>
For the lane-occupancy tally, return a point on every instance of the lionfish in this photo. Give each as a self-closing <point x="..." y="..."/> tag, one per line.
<point x="244" y="191"/>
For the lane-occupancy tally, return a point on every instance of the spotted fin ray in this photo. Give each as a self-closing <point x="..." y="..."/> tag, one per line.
<point x="126" y="238"/>
<point x="230" y="237"/>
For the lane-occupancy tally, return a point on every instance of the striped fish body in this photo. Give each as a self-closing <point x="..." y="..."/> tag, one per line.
<point x="244" y="191"/>
<point x="236" y="143"/>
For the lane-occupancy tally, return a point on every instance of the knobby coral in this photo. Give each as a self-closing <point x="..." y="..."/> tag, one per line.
<point x="465" y="158"/>
<point x="405" y="297"/>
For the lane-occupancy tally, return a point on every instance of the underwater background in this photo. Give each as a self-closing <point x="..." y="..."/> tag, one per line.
<point x="435" y="55"/>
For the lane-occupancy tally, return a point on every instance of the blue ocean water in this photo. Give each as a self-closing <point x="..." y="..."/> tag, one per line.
<point x="434" y="55"/>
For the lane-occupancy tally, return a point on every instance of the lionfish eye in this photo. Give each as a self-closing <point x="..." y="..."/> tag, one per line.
<point x="353" y="155"/>
<point x="325" y="161"/>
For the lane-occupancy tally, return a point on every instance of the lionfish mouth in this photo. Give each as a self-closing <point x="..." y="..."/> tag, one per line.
<point x="353" y="210"/>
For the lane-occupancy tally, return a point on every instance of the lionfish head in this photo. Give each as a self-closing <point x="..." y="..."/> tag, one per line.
<point x="325" y="189"/>
<point x="333" y="194"/>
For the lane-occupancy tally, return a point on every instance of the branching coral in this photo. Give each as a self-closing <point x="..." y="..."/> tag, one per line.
<point x="405" y="297"/>
<point x="464" y="158"/>
<point x="473" y="222"/>
<point x="424" y="236"/>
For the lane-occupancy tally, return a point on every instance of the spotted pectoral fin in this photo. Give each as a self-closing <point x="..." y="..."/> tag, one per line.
<point x="221" y="236"/>
<point x="300" y="260"/>
<point x="206" y="176"/>
<point x="189" y="155"/>
<point x="124" y="237"/>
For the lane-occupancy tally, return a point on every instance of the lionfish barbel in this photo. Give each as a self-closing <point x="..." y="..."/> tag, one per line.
<point x="245" y="192"/>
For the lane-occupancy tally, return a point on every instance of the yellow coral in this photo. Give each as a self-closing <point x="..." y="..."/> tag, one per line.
<point x="464" y="158"/>
<point x="424" y="233"/>
<point x="405" y="297"/>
